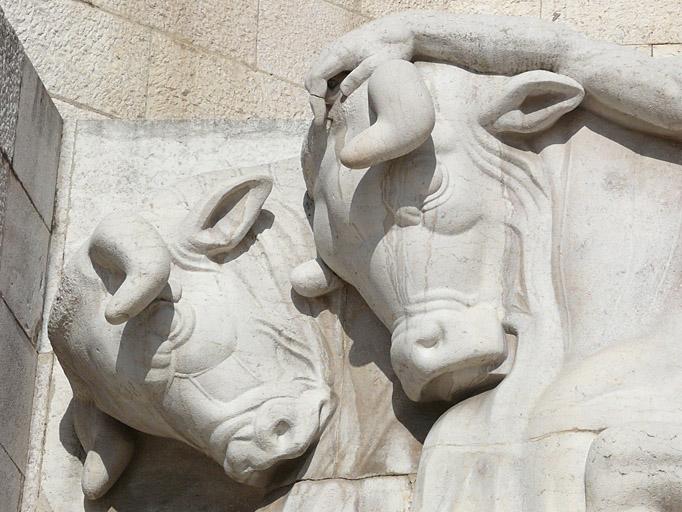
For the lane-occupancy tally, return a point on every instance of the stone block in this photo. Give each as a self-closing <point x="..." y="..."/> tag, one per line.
<point x="4" y="180"/>
<point x="377" y="8"/>
<point x="623" y="22"/>
<point x="41" y="401"/>
<point x="290" y="34"/>
<point x="228" y="27"/>
<point x="17" y="370"/>
<point x="667" y="50"/>
<point x="185" y="83"/>
<point x="84" y="54"/>
<point x="11" y="62"/>
<point x="24" y="257"/>
<point x="39" y="135"/>
<point x="12" y="481"/>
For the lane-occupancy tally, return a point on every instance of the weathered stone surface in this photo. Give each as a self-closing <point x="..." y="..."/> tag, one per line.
<point x="152" y="482"/>
<point x="184" y="83"/>
<point x="145" y="156"/>
<point x="41" y="400"/>
<point x="667" y="50"/>
<point x="379" y="8"/>
<point x="11" y="66"/>
<point x="291" y="33"/>
<point x="624" y="22"/>
<point x="5" y="171"/>
<point x="68" y="111"/>
<point x="85" y="54"/>
<point x="378" y="494"/>
<point x="12" y="480"/>
<point x="492" y="212"/>
<point x="17" y="367"/>
<point x="39" y="136"/>
<point x="227" y="27"/>
<point x="24" y="258"/>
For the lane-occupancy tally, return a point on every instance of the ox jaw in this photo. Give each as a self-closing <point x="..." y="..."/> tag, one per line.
<point x="449" y="351"/>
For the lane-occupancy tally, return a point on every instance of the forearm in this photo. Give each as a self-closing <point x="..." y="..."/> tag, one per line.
<point x="621" y="84"/>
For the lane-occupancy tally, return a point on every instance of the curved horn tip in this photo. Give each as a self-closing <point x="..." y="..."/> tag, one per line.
<point x="115" y="314"/>
<point x="405" y="116"/>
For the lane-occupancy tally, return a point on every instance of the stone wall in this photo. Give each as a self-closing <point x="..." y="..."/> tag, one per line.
<point x="30" y="137"/>
<point x="239" y="59"/>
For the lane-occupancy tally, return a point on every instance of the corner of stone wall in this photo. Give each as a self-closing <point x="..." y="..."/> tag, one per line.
<point x="30" y="139"/>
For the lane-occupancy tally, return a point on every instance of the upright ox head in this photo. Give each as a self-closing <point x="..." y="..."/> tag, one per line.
<point x="157" y="327"/>
<point x="407" y="210"/>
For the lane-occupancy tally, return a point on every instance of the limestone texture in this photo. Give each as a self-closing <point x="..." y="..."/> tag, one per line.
<point x="227" y="27"/>
<point x="24" y="258"/>
<point x="290" y="33"/>
<point x="186" y="84"/>
<point x="18" y="364"/>
<point x="85" y="54"/>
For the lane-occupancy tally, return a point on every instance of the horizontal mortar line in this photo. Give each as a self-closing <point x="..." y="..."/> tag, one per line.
<point x="348" y="9"/>
<point x="82" y="106"/>
<point x="212" y="53"/>
<point x="21" y="327"/>
<point x="21" y="184"/>
<point x="191" y="44"/>
<point x="173" y="36"/>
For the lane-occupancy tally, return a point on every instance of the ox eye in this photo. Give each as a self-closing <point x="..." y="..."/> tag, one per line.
<point x="281" y="428"/>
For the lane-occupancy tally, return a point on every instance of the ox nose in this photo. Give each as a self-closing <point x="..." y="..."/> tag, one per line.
<point x="448" y="354"/>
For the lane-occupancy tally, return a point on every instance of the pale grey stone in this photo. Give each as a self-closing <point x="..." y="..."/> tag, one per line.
<point x="287" y="40"/>
<point x="625" y="21"/>
<point x="85" y="54"/>
<point x="187" y="84"/>
<point x="24" y="258"/>
<point x="11" y="478"/>
<point x="228" y="28"/>
<point x="142" y="156"/>
<point x="518" y="198"/>
<point x="41" y="399"/>
<point x="38" y="138"/>
<point x="11" y="67"/>
<point x="5" y="171"/>
<point x="667" y="50"/>
<point x="17" y="367"/>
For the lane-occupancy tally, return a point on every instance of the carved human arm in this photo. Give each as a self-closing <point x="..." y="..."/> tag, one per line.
<point x="622" y="84"/>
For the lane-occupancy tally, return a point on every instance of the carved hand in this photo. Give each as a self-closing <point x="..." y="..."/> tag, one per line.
<point x="622" y="84"/>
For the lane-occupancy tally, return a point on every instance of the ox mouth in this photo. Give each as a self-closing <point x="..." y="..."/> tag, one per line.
<point x="260" y="475"/>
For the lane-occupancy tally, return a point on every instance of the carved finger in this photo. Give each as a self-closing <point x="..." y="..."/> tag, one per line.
<point x="362" y="73"/>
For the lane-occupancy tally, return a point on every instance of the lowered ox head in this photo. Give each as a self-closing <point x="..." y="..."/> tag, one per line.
<point x="410" y="209"/>
<point x="158" y="328"/>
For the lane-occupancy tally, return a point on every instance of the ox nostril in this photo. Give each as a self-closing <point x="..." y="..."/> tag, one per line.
<point x="430" y="336"/>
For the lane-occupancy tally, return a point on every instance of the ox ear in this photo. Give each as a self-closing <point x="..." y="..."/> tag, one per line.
<point x="217" y="224"/>
<point x="532" y="102"/>
<point x="108" y="445"/>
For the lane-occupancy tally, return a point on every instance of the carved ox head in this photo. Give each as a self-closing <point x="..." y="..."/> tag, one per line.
<point x="410" y="209"/>
<point x="175" y="321"/>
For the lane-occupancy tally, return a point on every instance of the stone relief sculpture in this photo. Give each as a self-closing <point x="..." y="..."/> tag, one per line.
<point x="225" y="358"/>
<point x="484" y="180"/>
<point x="159" y="328"/>
<point x="505" y="196"/>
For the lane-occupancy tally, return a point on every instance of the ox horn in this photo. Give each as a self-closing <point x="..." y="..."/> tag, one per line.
<point x="128" y="243"/>
<point x="405" y="116"/>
